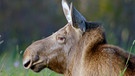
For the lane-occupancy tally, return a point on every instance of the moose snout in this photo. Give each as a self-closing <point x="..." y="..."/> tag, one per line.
<point x="28" y="61"/>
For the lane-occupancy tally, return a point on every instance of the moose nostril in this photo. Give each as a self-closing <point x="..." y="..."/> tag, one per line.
<point x="27" y="64"/>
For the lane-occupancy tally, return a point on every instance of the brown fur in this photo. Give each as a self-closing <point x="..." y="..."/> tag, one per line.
<point x="100" y="59"/>
<point x="78" y="51"/>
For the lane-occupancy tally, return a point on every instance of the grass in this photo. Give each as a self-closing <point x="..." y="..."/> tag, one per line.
<point x="14" y="67"/>
<point x="131" y="48"/>
<point x="11" y="65"/>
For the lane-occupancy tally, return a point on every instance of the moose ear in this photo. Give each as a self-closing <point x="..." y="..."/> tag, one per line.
<point x="73" y="16"/>
<point x="66" y="10"/>
<point x="77" y="19"/>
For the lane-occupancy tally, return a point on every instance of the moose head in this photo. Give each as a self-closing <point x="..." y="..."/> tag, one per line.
<point x="56" y="51"/>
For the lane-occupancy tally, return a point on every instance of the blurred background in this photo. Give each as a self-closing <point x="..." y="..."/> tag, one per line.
<point x="25" y="21"/>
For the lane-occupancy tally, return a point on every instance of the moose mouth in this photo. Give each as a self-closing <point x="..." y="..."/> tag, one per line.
<point x="37" y="68"/>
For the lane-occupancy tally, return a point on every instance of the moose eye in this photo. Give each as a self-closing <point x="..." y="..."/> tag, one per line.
<point x="61" y="39"/>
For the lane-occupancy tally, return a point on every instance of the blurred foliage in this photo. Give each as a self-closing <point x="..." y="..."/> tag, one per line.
<point x="24" y="21"/>
<point x="13" y="67"/>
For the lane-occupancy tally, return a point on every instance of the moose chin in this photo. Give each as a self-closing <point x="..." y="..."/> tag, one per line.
<point x="78" y="49"/>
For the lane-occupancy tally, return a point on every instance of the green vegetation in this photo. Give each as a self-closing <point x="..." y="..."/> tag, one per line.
<point x="11" y="65"/>
<point x="130" y="51"/>
<point x="14" y="67"/>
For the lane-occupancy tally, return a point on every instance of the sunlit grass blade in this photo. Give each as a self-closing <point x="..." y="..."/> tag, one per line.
<point x="131" y="48"/>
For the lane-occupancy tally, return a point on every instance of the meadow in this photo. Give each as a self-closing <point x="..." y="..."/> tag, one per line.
<point x="11" y="65"/>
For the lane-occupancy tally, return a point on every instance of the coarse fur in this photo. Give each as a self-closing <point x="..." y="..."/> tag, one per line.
<point x="78" y="49"/>
<point x="97" y="58"/>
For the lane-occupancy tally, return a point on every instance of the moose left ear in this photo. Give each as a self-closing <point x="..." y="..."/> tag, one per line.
<point x="67" y="11"/>
<point x="78" y="20"/>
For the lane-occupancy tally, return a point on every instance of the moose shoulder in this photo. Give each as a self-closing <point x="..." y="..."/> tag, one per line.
<point x="78" y="49"/>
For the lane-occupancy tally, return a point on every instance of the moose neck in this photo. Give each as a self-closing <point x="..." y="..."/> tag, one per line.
<point x="93" y="36"/>
<point x="91" y="39"/>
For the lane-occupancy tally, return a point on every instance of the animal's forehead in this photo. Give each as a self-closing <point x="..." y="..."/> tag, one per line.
<point x="64" y="29"/>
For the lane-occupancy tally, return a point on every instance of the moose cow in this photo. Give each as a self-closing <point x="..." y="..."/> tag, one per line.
<point x="78" y="49"/>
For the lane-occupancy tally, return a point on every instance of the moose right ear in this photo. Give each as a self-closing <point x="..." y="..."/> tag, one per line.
<point x="77" y="18"/>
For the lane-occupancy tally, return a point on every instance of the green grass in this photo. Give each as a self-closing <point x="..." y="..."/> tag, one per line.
<point x="12" y="66"/>
<point x="131" y="48"/>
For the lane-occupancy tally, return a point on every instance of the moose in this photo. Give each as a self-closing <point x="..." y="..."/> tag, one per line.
<point x="78" y="49"/>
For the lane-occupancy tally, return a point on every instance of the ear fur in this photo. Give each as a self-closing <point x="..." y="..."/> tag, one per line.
<point x="66" y="10"/>
<point x="73" y="16"/>
<point x="77" y="19"/>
